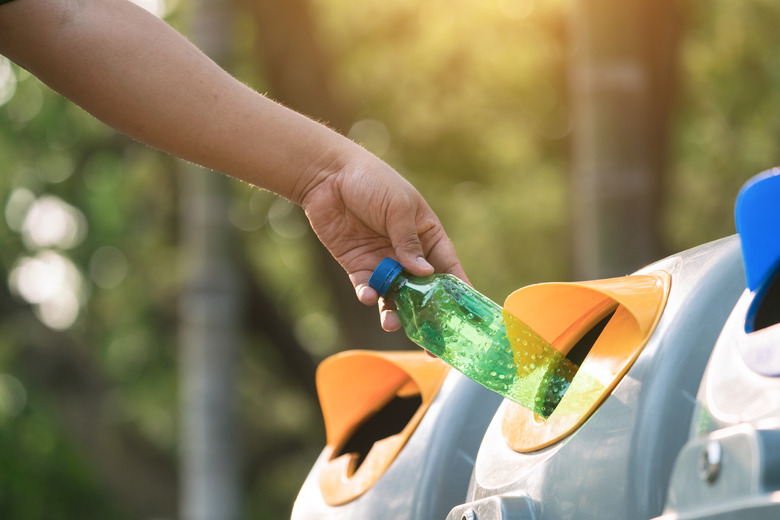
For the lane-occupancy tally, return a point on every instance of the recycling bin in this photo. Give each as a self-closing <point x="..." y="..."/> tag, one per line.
<point x="730" y="466"/>
<point x="644" y="341"/>
<point x="402" y="433"/>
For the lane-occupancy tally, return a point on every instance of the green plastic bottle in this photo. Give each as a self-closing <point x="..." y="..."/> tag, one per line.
<point x="466" y="329"/>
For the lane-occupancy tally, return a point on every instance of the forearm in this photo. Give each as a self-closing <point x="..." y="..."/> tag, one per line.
<point x="138" y="75"/>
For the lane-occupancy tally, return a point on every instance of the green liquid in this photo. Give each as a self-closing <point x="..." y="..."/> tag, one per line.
<point x="468" y="331"/>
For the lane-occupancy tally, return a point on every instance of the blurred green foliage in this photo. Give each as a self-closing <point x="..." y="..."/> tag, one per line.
<point x="472" y="97"/>
<point x="725" y="132"/>
<point x="467" y="99"/>
<point x="44" y="477"/>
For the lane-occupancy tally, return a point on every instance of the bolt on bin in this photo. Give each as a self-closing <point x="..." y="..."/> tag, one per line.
<point x="730" y="466"/>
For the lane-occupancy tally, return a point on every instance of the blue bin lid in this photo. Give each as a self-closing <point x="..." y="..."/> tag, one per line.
<point x="757" y="217"/>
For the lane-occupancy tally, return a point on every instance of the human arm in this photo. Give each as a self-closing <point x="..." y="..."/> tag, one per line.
<point x="138" y="75"/>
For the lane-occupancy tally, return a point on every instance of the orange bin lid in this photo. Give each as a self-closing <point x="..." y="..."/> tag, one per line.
<point x="352" y="387"/>
<point x="562" y="313"/>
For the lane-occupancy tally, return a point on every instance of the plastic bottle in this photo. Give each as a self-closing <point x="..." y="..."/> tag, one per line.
<point x="466" y="329"/>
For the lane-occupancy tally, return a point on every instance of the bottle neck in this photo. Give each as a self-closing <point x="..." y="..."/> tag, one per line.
<point x="394" y="286"/>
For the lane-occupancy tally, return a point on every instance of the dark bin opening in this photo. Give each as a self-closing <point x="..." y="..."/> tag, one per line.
<point x="582" y="348"/>
<point x="576" y="355"/>
<point x="389" y="420"/>
<point x="765" y="310"/>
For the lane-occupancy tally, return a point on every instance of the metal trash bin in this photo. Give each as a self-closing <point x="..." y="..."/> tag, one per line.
<point x="617" y="462"/>
<point x="418" y="471"/>
<point x="730" y="467"/>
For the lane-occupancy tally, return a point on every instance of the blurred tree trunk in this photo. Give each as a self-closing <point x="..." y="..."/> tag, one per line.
<point x="210" y="313"/>
<point x="298" y="72"/>
<point x="623" y="80"/>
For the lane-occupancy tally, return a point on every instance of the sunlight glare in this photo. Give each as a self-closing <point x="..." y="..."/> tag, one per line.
<point x="516" y="9"/>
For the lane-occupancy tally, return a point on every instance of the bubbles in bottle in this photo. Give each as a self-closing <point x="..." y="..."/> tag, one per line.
<point x="468" y="331"/>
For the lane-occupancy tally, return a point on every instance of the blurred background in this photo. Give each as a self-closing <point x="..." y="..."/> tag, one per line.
<point x="160" y="325"/>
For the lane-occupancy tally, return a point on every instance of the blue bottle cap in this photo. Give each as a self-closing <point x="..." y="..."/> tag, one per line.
<point x="384" y="274"/>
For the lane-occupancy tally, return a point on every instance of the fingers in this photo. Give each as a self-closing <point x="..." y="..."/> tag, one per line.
<point x="366" y="295"/>
<point x="389" y="320"/>
<point x="403" y="229"/>
<point x="441" y="259"/>
<point x="442" y="253"/>
<point x="388" y="317"/>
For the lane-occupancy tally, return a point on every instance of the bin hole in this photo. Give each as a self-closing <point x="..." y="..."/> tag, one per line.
<point x="767" y="310"/>
<point x="389" y="420"/>
<point x="581" y="349"/>
<point x="555" y="392"/>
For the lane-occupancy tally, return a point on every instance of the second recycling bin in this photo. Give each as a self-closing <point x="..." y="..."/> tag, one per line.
<point x="614" y="460"/>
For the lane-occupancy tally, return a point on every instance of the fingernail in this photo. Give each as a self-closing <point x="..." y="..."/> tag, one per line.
<point x="423" y="264"/>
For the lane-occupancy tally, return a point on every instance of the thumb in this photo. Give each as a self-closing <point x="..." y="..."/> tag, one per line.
<point x="408" y="247"/>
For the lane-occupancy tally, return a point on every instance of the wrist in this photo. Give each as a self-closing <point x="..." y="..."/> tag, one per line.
<point x="328" y="165"/>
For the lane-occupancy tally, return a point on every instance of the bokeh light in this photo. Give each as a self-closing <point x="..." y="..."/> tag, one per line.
<point x="7" y="81"/>
<point x="107" y="267"/>
<point x="286" y="221"/>
<point x="318" y="333"/>
<point x="52" y="284"/>
<point x="17" y="207"/>
<point x="372" y="134"/>
<point x="52" y="222"/>
<point x="13" y="396"/>
<point x="54" y="168"/>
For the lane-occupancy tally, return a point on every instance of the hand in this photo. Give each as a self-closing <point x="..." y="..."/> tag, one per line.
<point x="364" y="211"/>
